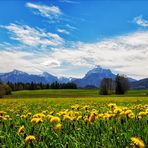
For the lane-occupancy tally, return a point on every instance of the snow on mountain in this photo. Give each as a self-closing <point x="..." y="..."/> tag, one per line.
<point x="49" y="78"/>
<point x="92" y="78"/>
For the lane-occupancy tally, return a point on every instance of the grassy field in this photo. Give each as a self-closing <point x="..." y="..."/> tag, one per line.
<point x="74" y="119"/>
<point x="71" y="93"/>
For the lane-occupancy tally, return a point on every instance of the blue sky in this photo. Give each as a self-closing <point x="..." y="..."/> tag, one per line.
<point x="69" y="37"/>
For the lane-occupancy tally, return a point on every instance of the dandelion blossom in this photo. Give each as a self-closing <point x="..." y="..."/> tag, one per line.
<point x="92" y="118"/>
<point x="36" y="120"/>
<point x="138" y="142"/>
<point x="21" y="130"/>
<point x="29" y="139"/>
<point x="55" y="119"/>
<point x="58" y="126"/>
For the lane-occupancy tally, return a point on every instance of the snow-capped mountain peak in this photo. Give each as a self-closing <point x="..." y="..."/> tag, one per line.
<point x="17" y="72"/>
<point x="98" y="70"/>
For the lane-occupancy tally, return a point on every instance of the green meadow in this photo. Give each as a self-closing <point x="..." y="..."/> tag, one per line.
<point x="78" y="118"/>
<point x="72" y="93"/>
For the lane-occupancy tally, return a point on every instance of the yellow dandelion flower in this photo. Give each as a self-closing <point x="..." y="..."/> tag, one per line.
<point x="45" y="111"/>
<point x="100" y="116"/>
<point x="122" y="113"/>
<point x="2" y="113"/>
<point x="29" y="139"/>
<point x="117" y="110"/>
<point x="76" y="113"/>
<point x="112" y="105"/>
<point x="4" y="119"/>
<point x="138" y="142"/>
<point x="67" y="117"/>
<point x="23" y="116"/>
<point x="86" y="107"/>
<point x="51" y="113"/>
<point x="92" y="118"/>
<point x="36" y="120"/>
<point x="49" y="116"/>
<point x="139" y="117"/>
<point x="107" y="116"/>
<point x="58" y="126"/>
<point x="79" y="118"/>
<point x="40" y="115"/>
<point x="29" y="114"/>
<point x="7" y="117"/>
<point x="132" y="116"/>
<point x="76" y="107"/>
<point x="55" y="119"/>
<point x="128" y="112"/>
<point x="21" y="130"/>
<point x="142" y="114"/>
<point x="86" y="120"/>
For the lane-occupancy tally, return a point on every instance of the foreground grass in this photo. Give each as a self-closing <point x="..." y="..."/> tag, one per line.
<point x="83" y="122"/>
<point x="44" y="119"/>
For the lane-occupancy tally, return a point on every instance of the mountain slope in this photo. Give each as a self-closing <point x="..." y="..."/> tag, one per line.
<point x="141" y="84"/>
<point x="19" y="76"/>
<point x="49" y="78"/>
<point x="94" y="77"/>
<point x="63" y="80"/>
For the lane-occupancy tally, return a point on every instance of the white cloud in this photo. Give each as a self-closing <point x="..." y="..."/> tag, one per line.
<point x="71" y="27"/>
<point x="63" y="31"/>
<point x="51" y="12"/>
<point x="26" y="61"/>
<point x="10" y="60"/>
<point x="69" y="1"/>
<point x="51" y="63"/>
<point x="140" y="21"/>
<point x="123" y="54"/>
<point x="33" y="37"/>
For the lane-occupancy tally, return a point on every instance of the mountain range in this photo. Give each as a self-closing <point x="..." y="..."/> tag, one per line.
<point x="91" y="79"/>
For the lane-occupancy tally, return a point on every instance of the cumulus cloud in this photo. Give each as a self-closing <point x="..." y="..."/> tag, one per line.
<point x="31" y="62"/>
<point x="140" y="21"/>
<point x="33" y="36"/>
<point x="51" y="63"/>
<point x="51" y="12"/>
<point x="14" y="59"/>
<point x="123" y="54"/>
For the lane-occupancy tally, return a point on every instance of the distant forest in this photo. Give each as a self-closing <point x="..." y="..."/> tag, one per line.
<point x="5" y="89"/>
<point x="36" y="86"/>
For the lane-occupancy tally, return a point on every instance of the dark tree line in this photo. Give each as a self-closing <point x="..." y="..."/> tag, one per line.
<point x="118" y="86"/>
<point x="37" y="86"/>
<point x="4" y="89"/>
<point x="121" y="84"/>
<point x="107" y="86"/>
<point x="57" y="85"/>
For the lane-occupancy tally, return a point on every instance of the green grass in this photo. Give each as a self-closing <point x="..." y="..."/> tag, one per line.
<point x="71" y="93"/>
<point x="104" y="132"/>
<point x="71" y="96"/>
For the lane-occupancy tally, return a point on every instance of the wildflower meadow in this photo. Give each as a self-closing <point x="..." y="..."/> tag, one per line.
<point x="44" y="123"/>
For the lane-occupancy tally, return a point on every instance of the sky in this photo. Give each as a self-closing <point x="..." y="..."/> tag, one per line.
<point x="70" y="37"/>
